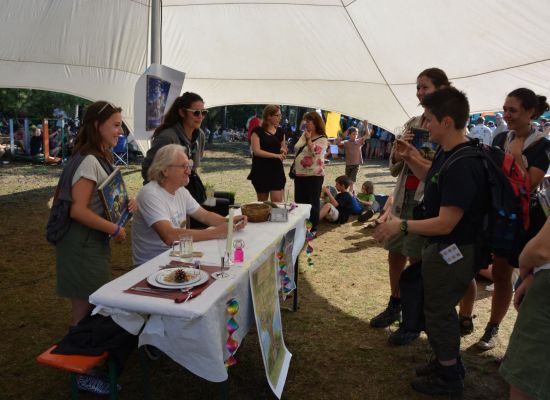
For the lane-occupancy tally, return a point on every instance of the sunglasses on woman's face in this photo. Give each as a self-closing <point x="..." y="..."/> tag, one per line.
<point x="197" y="113"/>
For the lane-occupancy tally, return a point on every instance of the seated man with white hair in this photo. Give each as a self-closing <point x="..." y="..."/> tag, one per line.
<point x="164" y="204"/>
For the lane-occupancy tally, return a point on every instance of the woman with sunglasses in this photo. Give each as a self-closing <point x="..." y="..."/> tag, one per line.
<point x="181" y="125"/>
<point x="268" y="152"/>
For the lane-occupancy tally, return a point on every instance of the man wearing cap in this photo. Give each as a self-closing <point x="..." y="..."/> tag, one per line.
<point x="501" y="125"/>
<point x="481" y="132"/>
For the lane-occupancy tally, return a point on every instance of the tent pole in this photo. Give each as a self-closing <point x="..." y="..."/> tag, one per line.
<point x="12" y="140"/>
<point x="26" y="140"/>
<point x="156" y="28"/>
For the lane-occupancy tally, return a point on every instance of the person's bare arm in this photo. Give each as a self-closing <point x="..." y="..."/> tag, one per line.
<point x="331" y="198"/>
<point x="536" y="252"/>
<point x="168" y="233"/>
<point x="441" y="225"/>
<point x="417" y="164"/>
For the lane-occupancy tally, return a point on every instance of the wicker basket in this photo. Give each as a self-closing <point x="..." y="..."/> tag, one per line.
<point x="256" y="212"/>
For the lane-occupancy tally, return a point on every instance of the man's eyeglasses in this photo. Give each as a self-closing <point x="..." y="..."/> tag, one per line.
<point x="196" y="113"/>
<point x="188" y="166"/>
<point x="107" y="104"/>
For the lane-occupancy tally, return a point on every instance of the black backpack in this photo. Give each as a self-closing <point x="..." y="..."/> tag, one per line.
<point x="507" y="217"/>
<point x="60" y="213"/>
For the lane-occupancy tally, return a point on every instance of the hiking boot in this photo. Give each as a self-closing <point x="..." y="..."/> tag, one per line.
<point x="435" y="385"/>
<point x="489" y="338"/>
<point x="431" y="368"/>
<point x="402" y="337"/>
<point x="387" y="317"/>
<point x="94" y="384"/>
<point x="466" y="325"/>
<point x="365" y="216"/>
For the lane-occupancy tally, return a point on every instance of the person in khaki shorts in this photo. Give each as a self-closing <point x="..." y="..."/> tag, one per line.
<point x="455" y="204"/>
<point x="354" y="157"/>
<point x="525" y="365"/>
<point x="407" y="194"/>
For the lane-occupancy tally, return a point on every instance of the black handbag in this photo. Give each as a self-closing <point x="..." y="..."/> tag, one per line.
<point x="196" y="188"/>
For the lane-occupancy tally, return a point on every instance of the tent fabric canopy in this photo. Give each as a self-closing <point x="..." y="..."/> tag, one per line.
<point x="357" y="57"/>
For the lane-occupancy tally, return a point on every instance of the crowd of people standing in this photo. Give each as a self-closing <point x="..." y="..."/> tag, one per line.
<point x="432" y="219"/>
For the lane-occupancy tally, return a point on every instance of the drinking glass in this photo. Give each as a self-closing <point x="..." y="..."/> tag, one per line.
<point x="176" y="251"/>
<point x="186" y="246"/>
<point x="222" y="253"/>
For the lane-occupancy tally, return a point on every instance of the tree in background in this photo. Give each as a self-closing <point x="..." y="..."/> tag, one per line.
<point x="31" y="103"/>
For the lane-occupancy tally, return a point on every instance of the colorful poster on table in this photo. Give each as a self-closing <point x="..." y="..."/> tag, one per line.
<point x="265" y="298"/>
<point x="286" y="272"/>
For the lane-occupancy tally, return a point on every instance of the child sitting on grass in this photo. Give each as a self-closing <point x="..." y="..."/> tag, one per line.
<point x="368" y="201"/>
<point x="339" y="207"/>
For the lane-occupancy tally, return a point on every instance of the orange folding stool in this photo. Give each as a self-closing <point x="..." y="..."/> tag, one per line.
<point x="79" y="364"/>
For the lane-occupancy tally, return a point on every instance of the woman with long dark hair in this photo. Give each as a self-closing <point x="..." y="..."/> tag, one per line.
<point x="83" y="253"/>
<point x="309" y="165"/>
<point x="531" y="151"/>
<point x="268" y="152"/>
<point x="181" y="125"/>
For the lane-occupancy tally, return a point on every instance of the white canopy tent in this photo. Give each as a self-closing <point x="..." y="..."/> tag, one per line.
<point x="358" y="57"/>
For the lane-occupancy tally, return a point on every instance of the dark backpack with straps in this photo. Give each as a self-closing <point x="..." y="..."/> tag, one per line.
<point x="60" y="213"/>
<point x="508" y="215"/>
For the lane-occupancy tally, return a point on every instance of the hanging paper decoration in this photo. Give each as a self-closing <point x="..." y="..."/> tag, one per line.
<point x="283" y="272"/>
<point x="231" y="345"/>
<point x="309" y="238"/>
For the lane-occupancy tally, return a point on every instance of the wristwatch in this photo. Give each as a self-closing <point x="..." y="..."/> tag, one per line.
<point x="404" y="227"/>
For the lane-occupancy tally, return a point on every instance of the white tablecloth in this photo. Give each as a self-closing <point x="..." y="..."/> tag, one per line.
<point x="194" y="334"/>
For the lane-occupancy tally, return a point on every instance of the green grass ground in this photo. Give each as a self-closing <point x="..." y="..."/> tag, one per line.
<point x="336" y="355"/>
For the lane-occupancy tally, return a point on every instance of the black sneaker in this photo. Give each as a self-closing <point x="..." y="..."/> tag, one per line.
<point x="365" y="216"/>
<point x="489" y="338"/>
<point x="431" y="368"/>
<point x="401" y="337"/>
<point x="387" y="317"/>
<point x="435" y="385"/>
<point x="94" y="384"/>
<point x="466" y="325"/>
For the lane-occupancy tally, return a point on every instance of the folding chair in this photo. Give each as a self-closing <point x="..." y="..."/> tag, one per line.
<point x="120" y="151"/>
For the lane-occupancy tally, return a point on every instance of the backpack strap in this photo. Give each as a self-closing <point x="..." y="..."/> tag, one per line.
<point x="472" y="150"/>
<point x="106" y="165"/>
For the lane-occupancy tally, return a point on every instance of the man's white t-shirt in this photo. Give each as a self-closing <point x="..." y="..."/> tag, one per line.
<point x="156" y="204"/>
<point x="483" y="133"/>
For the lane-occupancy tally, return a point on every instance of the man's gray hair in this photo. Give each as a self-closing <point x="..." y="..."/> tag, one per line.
<point x="162" y="160"/>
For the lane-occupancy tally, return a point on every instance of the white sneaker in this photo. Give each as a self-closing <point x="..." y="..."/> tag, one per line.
<point x="490" y="287"/>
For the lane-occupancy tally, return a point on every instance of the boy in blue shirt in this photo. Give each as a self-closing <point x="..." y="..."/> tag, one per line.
<point x="339" y="207"/>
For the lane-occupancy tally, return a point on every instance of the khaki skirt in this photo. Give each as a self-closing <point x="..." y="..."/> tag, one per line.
<point x="83" y="260"/>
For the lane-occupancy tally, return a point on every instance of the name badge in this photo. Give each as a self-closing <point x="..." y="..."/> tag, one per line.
<point x="451" y="254"/>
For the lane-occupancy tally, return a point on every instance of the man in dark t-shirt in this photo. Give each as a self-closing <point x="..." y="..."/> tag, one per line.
<point x="455" y="203"/>
<point x="339" y="207"/>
